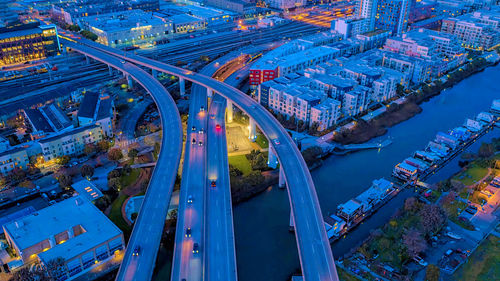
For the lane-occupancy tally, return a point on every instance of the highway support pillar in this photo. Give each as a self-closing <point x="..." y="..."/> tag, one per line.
<point x="282" y="180"/>
<point x="209" y="92"/>
<point x="182" y="86"/>
<point x="252" y="134"/>
<point x="291" y="226"/>
<point x="229" y="111"/>
<point x="154" y="73"/>
<point x="272" y="159"/>
<point x="87" y="60"/>
<point x="130" y="82"/>
<point x="110" y="69"/>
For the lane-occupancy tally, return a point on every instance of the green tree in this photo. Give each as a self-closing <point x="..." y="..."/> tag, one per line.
<point x="132" y="153"/>
<point x="90" y="149"/>
<point x="65" y="180"/>
<point x="63" y="160"/>
<point x="486" y="150"/>
<point x="103" y="145"/>
<point x="115" y="184"/>
<point x="115" y="154"/>
<point x="432" y="273"/>
<point x="312" y="154"/>
<point x="87" y="171"/>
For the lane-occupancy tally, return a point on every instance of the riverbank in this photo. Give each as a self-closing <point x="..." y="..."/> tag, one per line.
<point x="397" y="113"/>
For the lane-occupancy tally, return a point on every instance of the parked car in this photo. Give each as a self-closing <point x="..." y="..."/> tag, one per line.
<point x="420" y="261"/>
<point x="453" y="235"/>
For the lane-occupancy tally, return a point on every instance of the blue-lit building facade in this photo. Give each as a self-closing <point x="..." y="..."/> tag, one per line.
<point x="392" y="15"/>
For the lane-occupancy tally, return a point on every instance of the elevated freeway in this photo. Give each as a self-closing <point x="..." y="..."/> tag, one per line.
<point x="148" y="227"/>
<point x="314" y="248"/>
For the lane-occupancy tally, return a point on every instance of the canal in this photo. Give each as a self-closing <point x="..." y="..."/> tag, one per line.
<point x="266" y="250"/>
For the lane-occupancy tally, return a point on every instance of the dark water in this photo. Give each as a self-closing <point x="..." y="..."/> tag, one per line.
<point x="265" y="249"/>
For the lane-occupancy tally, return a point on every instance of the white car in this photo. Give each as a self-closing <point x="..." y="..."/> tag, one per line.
<point x="420" y="261"/>
<point x="453" y="235"/>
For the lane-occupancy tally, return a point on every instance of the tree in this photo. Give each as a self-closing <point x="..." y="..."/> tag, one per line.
<point x="17" y="174"/>
<point x="115" y="154"/>
<point x="89" y="35"/>
<point x="314" y="128"/>
<point x="432" y="218"/>
<point x="432" y="273"/>
<point x="115" y="184"/>
<point x="90" y="149"/>
<point x="173" y="214"/>
<point x="414" y="242"/>
<point x="132" y="153"/>
<point x="486" y="150"/>
<point x="65" y="180"/>
<point x="114" y="174"/>
<point x="63" y="160"/>
<point x="103" y="145"/>
<point x="133" y="216"/>
<point x="234" y="172"/>
<point x="55" y="268"/>
<point x="87" y="171"/>
<point x="400" y="89"/>
<point x="312" y="154"/>
<point x="411" y="204"/>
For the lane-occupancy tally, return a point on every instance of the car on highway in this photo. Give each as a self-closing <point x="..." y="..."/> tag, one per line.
<point x="201" y="131"/>
<point x="218" y="127"/>
<point x="213" y="184"/>
<point x="200" y="143"/>
<point x="123" y="62"/>
<point x="190" y="199"/>
<point x="193" y="128"/>
<point x="196" y="248"/>
<point x="202" y="108"/>
<point x="193" y="141"/>
<point x="188" y="232"/>
<point x="212" y="116"/>
<point x="136" y="251"/>
<point x="276" y="141"/>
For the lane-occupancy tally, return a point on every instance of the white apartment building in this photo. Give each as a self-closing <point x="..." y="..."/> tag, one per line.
<point x="12" y="158"/>
<point x="326" y="114"/>
<point x="70" y="143"/>
<point x="356" y="101"/>
<point x="285" y="4"/>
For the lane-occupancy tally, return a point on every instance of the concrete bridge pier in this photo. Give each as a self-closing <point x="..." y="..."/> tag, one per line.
<point x="154" y="73"/>
<point x="229" y="115"/>
<point x="87" y="60"/>
<point x="182" y="86"/>
<point x="209" y="93"/>
<point x="272" y="159"/>
<point x="130" y="81"/>
<point x="282" y="180"/>
<point x="110" y="69"/>
<point x="252" y="133"/>
<point x="291" y="226"/>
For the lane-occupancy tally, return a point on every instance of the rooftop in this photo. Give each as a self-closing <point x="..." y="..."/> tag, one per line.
<point x="126" y="20"/>
<point x="60" y="217"/>
<point x="68" y="133"/>
<point x="87" y="189"/>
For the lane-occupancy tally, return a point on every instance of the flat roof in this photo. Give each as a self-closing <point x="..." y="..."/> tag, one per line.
<point x="350" y="206"/>
<point x="88" y="105"/>
<point x="87" y="189"/>
<point x="68" y="133"/>
<point x="60" y="217"/>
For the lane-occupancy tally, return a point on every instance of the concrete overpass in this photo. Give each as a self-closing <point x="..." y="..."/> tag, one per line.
<point x="148" y="227"/>
<point x="314" y="248"/>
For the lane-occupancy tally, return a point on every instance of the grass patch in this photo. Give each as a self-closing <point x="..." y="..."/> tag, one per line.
<point x="131" y="178"/>
<point x="261" y="140"/>
<point x="116" y="215"/>
<point x="345" y="276"/>
<point x="241" y="163"/>
<point x="482" y="265"/>
<point x="473" y="174"/>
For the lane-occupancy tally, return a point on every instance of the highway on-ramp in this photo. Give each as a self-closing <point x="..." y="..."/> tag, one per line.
<point x="148" y="228"/>
<point x="314" y="248"/>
